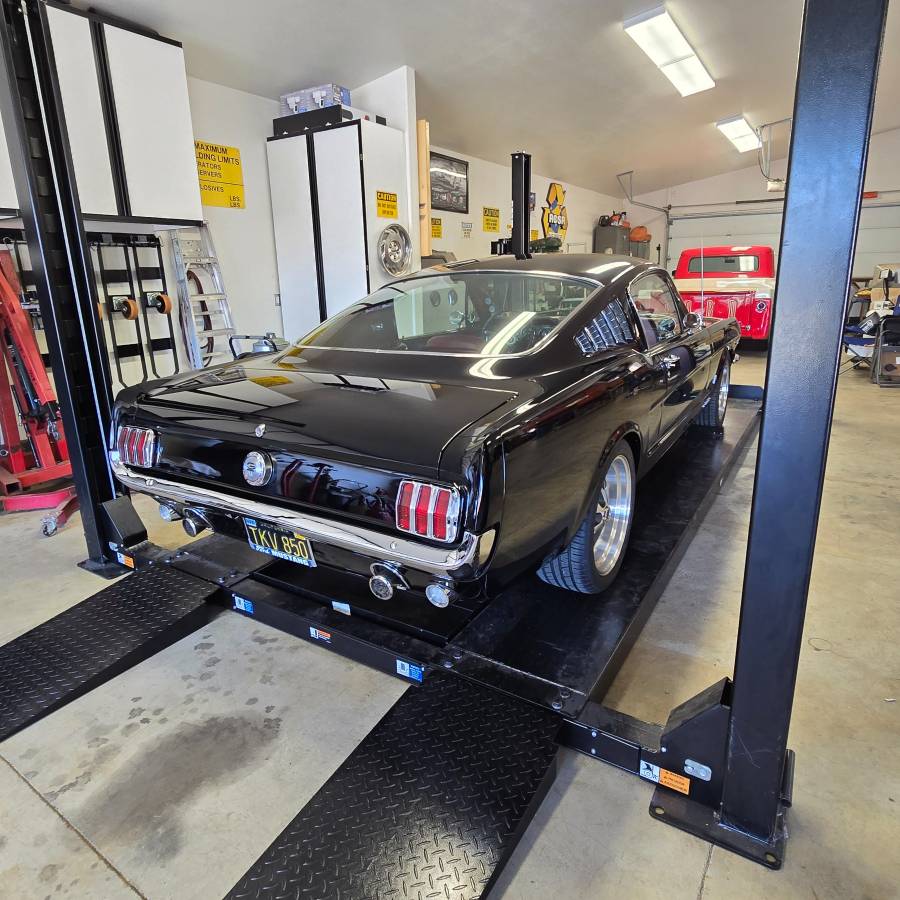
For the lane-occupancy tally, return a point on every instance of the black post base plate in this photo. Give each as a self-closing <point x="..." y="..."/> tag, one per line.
<point x="107" y="570"/>
<point x="702" y="821"/>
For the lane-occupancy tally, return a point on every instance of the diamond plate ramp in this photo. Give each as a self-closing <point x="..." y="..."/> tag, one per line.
<point x="83" y="647"/>
<point x="430" y="805"/>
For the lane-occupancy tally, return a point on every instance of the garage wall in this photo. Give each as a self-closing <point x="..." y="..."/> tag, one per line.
<point x="725" y="209"/>
<point x="490" y="184"/>
<point x="244" y="238"/>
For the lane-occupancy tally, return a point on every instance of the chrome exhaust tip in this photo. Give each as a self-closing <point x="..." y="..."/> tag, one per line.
<point x="169" y="513"/>
<point x="194" y="523"/>
<point x="386" y="578"/>
<point x="440" y="595"/>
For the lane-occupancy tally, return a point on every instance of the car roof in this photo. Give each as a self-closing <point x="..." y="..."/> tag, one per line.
<point x="602" y="268"/>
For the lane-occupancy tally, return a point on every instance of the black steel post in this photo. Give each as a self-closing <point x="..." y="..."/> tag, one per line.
<point x="38" y="141"/>
<point x="521" y="218"/>
<point x="839" y="53"/>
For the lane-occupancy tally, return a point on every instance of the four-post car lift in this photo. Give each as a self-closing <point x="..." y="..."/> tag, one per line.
<point x="433" y="800"/>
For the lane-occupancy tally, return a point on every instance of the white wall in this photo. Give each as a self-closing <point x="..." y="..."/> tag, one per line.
<point x="244" y="238"/>
<point x="394" y="97"/>
<point x="719" y="194"/>
<point x="490" y="184"/>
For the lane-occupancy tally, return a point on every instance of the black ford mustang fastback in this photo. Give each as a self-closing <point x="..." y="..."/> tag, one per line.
<point x="447" y="432"/>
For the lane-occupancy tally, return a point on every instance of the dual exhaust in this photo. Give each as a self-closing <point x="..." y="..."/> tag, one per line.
<point x="386" y="578"/>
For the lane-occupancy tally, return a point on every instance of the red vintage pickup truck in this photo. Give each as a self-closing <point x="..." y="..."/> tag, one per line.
<point x="719" y="282"/>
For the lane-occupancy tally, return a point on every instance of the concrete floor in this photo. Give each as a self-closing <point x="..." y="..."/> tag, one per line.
<point x="171" y="779"/>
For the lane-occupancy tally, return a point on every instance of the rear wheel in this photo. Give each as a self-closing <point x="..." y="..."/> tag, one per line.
<point x="713" y="413"/>
<point x="591" y="561"/>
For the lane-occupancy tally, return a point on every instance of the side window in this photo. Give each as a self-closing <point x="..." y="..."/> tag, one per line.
<point x="611" y="328"/>
<point x="657" y="308"/>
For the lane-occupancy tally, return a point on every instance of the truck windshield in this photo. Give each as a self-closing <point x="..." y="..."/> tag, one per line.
<point x="473" y="313"/>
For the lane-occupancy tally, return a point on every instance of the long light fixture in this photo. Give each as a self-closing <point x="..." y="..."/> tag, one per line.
<point x="740" y="132"/>
<point x="660" y="38"/>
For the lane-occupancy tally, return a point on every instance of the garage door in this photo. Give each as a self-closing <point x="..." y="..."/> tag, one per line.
<point x="878" y="241"/>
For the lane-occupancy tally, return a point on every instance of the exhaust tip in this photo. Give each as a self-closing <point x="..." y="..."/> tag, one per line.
<point x="381" y="587"/>
<point x="440" y="595"/>
<point x="193" y="524"/>
<point x="169" y="513"/>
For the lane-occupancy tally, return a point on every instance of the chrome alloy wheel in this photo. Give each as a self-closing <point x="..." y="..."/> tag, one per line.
<point x="613" y="515"/>
<point x="724" y="384"/>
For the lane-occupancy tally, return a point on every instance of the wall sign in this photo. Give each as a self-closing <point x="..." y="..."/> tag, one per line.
<point x="220" y="174"/>
<point x="555" y="217"/>
<point x="437" y="228"/>
<point x="534" y="234"/>
<point x="385" y="205"/>
<point x="490" y="218"/>
<point x="466" y="229"/>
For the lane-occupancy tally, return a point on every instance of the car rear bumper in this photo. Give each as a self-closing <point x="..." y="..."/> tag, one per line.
<point x="466" y="560"/>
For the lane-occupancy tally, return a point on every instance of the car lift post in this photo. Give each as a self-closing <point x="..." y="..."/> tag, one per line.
<point x="837" y="73"/>
<point x="38" y="140"/>
<point x="521" y="193"/>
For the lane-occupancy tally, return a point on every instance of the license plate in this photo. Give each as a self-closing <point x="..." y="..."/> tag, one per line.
<point x="282" y="543"/>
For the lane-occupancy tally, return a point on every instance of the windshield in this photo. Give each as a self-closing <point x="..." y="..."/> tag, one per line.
<point x="476" y="313"/>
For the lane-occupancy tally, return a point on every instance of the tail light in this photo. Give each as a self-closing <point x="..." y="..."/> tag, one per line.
<point x="136" y="446"/>
<point x="428" y="510"/>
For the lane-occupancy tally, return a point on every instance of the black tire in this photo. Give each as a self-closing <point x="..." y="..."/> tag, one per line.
<point x="712" y="415"/>
<point x="573" y="568"/>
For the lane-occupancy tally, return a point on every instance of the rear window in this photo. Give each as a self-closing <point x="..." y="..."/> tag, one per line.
<point x="740" y="263"/>
<point x="473" y="313"/>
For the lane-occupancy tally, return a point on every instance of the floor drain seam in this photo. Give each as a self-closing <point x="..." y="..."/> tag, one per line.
<point x="108" y="863"/>
<point x="705" y="871"/>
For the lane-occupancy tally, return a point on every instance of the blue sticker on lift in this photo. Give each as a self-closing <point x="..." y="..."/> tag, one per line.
<point x="410" y="670"/>
<point x="245" y="606"/>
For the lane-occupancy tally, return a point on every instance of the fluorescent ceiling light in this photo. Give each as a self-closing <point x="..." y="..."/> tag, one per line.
<point x="739" y="131"/>
<point x="660" y="38"/>
<point x="688" y="76"/>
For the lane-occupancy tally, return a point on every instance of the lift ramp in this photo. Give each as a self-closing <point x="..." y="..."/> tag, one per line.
<point x="430" y="805"/>
<point x="97" y="639"/>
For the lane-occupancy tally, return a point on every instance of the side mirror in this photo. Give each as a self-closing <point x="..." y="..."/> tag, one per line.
<point x="693" y="320"/>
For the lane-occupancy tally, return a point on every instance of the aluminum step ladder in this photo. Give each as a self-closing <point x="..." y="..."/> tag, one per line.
<point x="206" y="322"/>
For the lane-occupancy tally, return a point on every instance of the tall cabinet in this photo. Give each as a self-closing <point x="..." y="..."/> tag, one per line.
<point x="125" y="100"/>
<point x="333" y="193"/>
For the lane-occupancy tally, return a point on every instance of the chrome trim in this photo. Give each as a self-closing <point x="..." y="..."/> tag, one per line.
<point x="463" y="561"/>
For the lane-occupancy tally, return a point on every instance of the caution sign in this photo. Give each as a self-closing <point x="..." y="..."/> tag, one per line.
<point x="437" y="228"/>
<point x="490" y="218"/>
<point x="534" y="234"/>
<point x="666" y="778"/>
<point x="385" y="205"/>
<point x="220" y="173"/>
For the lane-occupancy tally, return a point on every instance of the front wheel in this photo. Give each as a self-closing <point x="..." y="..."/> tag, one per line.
<point x="712" y="415"/>
<point x="591" y="561"/>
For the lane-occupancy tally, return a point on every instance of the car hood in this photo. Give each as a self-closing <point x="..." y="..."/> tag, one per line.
<point x="334" y="412"/>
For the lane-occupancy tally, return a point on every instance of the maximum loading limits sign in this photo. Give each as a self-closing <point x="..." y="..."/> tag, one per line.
<point x="221" y="174"/>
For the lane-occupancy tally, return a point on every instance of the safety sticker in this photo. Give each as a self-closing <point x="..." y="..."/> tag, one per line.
<point x="244" y="606"/>
<point x="125" y="560"/>
<point x="410" y="670"/>
<point x="666" y="778"/>
<point x="340" y="607"/>
<point x="318" y="635"/>
<point x="490" y="218"/>
<point x="385" y="205"/>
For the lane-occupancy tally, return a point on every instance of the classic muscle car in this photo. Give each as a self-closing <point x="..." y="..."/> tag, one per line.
<point x="447" y="432"/>
<point x="730" y="281"/>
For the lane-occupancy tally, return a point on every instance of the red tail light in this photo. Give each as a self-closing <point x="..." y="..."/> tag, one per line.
<point x="428" y="510"/>
<point x="136" y="446"/>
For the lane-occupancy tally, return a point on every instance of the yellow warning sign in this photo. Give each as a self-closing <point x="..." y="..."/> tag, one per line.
<point x="534" y="234"/>
<point x="220" y="173"/>
<point x="385" y="205"/>
<point x="674" y="781"/>
<point x="437" y="228"/>
<point x="490" y="218"/>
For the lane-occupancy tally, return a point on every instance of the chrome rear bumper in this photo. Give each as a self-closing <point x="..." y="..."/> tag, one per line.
<point x="466" y="560"/>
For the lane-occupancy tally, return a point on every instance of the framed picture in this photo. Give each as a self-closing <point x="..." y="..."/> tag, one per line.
<point x="449" y="184"/>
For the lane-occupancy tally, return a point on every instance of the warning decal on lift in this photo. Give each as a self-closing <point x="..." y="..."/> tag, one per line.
<point x="666" y="778"/>
<point x="220" y="173"/>
<point x="386" y="205"/>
